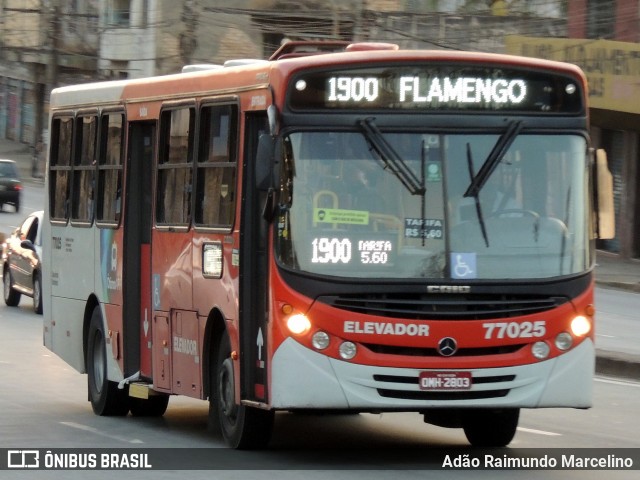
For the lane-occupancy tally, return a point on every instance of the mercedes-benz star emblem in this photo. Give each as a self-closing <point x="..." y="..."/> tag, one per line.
<point x="447" y="346"/>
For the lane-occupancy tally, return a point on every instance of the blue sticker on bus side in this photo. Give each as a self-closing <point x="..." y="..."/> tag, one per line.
<point x="463" y="265"/>
<point x="156" y="291"/>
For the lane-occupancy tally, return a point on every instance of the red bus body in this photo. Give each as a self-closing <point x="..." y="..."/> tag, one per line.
<point x="163" y="291"/>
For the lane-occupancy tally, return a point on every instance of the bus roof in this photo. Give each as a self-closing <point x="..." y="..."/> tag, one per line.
<point x="240" y="76"/>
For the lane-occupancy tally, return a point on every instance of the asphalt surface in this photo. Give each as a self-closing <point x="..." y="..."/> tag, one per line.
<point x="612" y="271"/>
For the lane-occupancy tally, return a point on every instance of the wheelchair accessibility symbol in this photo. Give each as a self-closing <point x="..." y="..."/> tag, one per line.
<point x="463" y="265"/>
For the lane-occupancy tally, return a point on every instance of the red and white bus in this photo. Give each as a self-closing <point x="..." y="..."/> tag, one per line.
<point x="364" y="229"/>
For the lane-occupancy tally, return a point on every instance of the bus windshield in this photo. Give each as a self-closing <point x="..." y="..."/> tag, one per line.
<point x="407" y="205"/>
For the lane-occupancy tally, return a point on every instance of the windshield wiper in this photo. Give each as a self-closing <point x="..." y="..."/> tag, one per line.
<point x="390" y="157"/>
<point x="488" y="167"/>
<point x="483" y="227"/>
<point x="490" y="164"/>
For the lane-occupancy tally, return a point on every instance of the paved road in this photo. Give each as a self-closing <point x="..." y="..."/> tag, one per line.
<point x="43" y="405"/>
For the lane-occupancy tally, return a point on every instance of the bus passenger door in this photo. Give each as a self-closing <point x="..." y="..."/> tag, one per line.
<point x="254" y="278"/>
<point x="137" y="249"/>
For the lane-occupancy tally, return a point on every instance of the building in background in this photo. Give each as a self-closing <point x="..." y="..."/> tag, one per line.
<point x="42" y="44"/>
<point x="49" y="43"/>
<point x="604" y="36"/>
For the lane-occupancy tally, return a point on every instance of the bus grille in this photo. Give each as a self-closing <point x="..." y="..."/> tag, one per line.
<point x="444" y="396"/>
<point x="443" y="307"/>
<point x="432" y="352"/>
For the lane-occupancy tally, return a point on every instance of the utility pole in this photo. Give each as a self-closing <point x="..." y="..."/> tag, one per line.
<point x="335" y="20"/>
<point x="52" y="25"/>
<point x="51" y="77"/>
<point x="188" y="39"/>
<point x="358" y="29"/>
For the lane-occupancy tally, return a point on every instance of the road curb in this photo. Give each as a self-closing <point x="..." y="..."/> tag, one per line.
<point x="631" y="287"/>
<point x="615" y="364"/>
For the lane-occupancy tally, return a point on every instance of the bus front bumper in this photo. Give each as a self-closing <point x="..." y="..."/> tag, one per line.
<point x="305" y="379"/>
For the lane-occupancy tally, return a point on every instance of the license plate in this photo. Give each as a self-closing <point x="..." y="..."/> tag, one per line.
<point x="445" y="380"/>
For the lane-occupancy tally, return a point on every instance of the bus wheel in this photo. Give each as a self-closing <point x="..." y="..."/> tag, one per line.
<point x="490" y="428"/>
<point x="11" y="297"/>
<point x="154" y="406"/>
<point x="241" y="426"/>
<point x="105" y="397"/>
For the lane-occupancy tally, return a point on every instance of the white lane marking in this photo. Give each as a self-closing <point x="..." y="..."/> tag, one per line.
<point x="597" y="379"/>
<point x="539" y="432"/>
<point x="87" y="428"/>
<point x="624" y="383"/>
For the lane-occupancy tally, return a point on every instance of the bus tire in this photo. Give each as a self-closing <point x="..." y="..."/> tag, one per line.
<point x="242" y="427"/>
<point x="490" y="428"/>
<point x="11" y="296"/>
<point x="154" y="406"/>
<point x="105" y="396"/>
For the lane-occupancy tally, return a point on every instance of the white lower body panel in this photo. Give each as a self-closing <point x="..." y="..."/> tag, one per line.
<point x="303" y="378"/>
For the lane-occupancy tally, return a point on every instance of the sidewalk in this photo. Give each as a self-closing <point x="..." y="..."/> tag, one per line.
<point x="623" y="274"/>
<point x="611" y="271"/>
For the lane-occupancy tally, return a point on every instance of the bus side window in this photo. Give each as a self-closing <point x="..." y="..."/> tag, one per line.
<point x="84" y="169"/>
<point x="173" y="206"/>
<point x="60" y="167"/>
<point x="110" y="169"/>
<point x="216" y="168"/>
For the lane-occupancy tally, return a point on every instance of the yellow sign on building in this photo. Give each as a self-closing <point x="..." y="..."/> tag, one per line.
<point x="612" y="68"/>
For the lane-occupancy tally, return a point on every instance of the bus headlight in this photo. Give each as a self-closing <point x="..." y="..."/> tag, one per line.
<point x="564" y="341"/>
<point x="540" y="350"/>
<point x="348" y="350"/>
<point x="320" y="340"/>
<point x="580" y="326"/>
<point x="298" y="324"/>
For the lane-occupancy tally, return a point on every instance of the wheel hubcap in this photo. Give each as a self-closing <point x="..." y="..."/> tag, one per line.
<point x="226" y="390"/>
<point x="98" y="363"/>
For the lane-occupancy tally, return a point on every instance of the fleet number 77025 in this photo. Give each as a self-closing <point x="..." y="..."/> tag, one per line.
<point x="515" y="329"/>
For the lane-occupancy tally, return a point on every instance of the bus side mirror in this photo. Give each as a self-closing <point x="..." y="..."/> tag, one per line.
<point x="265" y="162"/>
<point x="604" y="197"/>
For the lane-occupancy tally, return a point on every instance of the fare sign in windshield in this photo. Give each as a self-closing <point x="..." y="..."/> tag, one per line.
<point x="437" y="88"/>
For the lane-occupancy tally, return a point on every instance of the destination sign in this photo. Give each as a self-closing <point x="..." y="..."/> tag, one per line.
<point x="439" y="88"/>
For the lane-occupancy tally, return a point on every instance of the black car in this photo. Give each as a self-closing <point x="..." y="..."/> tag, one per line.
<point x="10" y="184"/>
<point x="21" y="264"/>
